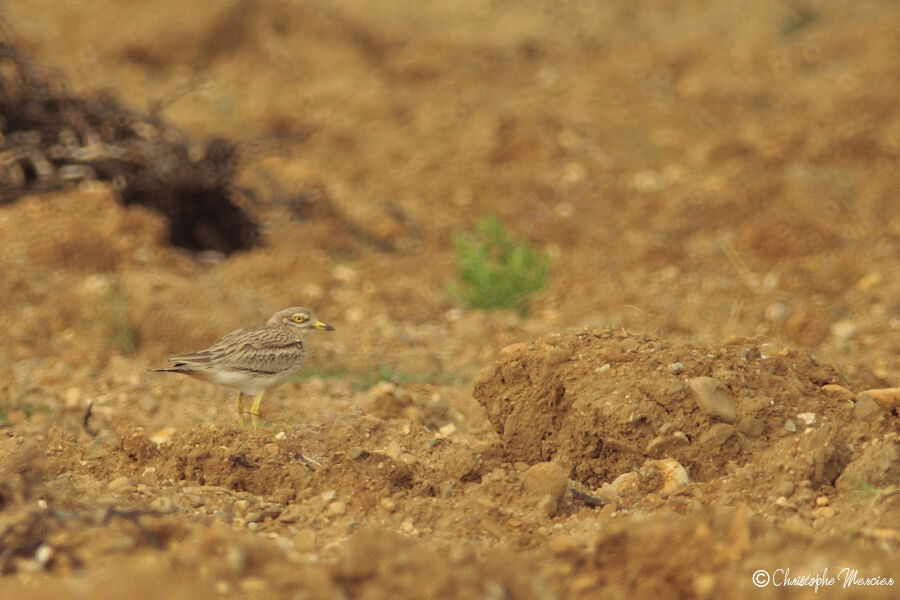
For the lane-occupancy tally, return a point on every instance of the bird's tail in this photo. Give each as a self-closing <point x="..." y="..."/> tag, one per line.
<point x="175" y="369"/>
<point x="189" y="370"/>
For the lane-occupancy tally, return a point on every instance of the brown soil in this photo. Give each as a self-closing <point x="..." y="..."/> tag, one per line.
<point x="716" y="184"/>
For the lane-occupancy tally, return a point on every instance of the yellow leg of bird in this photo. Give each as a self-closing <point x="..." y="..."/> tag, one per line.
<point x="254" y="410"/>
<point x="240" y="409"/>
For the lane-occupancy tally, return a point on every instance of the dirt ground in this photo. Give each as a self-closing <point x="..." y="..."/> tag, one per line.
<point x="685" y="405"/>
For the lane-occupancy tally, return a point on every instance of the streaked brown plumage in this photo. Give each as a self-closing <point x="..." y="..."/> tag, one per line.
<point x="254" y="359"/>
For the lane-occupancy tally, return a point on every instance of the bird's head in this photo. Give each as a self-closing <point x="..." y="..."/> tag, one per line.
<point x="299" y="318"/>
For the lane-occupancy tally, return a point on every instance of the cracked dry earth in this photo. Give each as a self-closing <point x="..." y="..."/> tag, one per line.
<point x="707" y="388"/>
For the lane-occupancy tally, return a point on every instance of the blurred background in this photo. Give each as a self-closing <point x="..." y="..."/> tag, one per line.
<point x="699" y="170"/>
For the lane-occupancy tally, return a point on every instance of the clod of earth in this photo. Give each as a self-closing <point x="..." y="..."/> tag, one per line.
<point x="597" y="423"/>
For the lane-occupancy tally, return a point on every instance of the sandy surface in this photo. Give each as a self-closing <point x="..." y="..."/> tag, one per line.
<point x="716" y="184"/>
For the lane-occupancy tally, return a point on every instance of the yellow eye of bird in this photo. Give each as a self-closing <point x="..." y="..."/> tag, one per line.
<point x="299" y="318"/>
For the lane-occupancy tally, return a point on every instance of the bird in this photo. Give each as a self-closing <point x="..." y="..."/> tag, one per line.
<point x="253" y="359"/>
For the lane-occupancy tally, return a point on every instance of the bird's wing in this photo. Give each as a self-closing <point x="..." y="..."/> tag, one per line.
<point x="259" y="349"/>
<point x="198" y="360"/>
<point x="211" y="355"/>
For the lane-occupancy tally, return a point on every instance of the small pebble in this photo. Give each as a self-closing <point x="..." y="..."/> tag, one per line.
<point x="675" y="368"/>
<point x="887" y="398"/>
<point x="630" y="344"/>
<point x="751" y="426"/>
<point x="790" y="426"/>
<point x="546" y="478"/>
<point x="807" y="418"/>
<point x="625" y="483"/>
<point x="716" y="435"/>
<point x="713" y="398"/>
<point x="865" y="408"/>
<point x="43" y="554"/>
<point x="786" y="488"/>
<point x="336" y="508"/>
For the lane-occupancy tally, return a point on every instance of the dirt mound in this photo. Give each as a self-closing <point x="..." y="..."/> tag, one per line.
<point x="601" y="402"/>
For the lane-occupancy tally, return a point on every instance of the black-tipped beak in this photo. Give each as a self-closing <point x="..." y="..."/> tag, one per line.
<point x="323" y="326"/>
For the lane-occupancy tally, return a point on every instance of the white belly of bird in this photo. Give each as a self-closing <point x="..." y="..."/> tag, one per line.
<point x="250" y="383"/>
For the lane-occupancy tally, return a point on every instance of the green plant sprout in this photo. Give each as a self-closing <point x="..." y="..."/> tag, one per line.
<point x="497" y="270"/>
